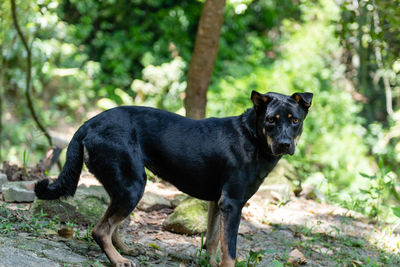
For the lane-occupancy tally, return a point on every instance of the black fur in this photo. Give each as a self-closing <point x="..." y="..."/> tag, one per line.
<point x="217" y="159"/>
<point x="67" y="181"/>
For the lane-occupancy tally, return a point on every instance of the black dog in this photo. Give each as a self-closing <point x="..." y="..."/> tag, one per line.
<point x="221" y="160"/>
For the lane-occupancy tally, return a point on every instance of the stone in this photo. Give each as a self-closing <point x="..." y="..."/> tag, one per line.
<point x="26" y="250"/>
<point x="3" y="180"/>
<point x="152" y="202"/>
<point x="86" y="207"/>
<point x="296" y="258"/>
<point x="274" y="194"/>
<point x="310" y="192"/>
<point x="178" y="199"/>
<point x="21" y="191"/>
<point x="189" y="217"/>
<point x="283" y="173"/>
<point x="64" y="255"/>
<point x="18" y="257"/>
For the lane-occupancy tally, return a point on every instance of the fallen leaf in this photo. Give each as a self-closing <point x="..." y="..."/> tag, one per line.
<point x="296" y="258"/>
<point x="154" y="246"/>
<point x="66" y="232"/>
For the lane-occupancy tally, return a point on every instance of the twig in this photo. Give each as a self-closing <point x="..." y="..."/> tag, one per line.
<point x="28" y="74"/>
<point x="378" y="56"/>
<point x="1" y="92"/>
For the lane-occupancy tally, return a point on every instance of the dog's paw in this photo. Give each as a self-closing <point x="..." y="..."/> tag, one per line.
<point x="124" y="263"/>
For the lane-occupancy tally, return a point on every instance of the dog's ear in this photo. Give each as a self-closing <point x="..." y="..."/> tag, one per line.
<point x="304" y="99"/>
<point x="259" y="100"/>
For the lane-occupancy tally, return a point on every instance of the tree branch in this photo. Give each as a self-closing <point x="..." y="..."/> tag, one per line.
<point x="28" y="74"/>
<point x="378" y="56"/>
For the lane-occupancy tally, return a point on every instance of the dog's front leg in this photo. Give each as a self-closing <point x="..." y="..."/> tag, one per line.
<point x="231" y="210"/>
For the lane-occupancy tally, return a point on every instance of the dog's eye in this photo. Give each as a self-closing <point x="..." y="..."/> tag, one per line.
<point x="295" y="121"/>
<point x="271" y="120"/>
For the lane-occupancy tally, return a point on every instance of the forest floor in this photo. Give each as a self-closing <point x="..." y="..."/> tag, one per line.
<point x="297" y="232"/>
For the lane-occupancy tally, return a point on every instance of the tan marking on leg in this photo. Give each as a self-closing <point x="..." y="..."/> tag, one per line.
<point x="226" y="261"/>
<point x="277" y="116"/>
<point x="290" y="115"/>
<point x="104" y="231"/>
<point x="213" y="232"/>
<point x="264" y="131"/>
<point x="118" y="243"/>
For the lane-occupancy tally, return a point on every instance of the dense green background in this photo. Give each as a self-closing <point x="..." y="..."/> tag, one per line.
<point x="91" y="55"/>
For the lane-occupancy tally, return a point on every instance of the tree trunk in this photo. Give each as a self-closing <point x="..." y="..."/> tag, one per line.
<point x="203" y="58"/>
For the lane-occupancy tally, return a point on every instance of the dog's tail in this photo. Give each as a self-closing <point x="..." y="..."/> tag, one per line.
<point x="67" y="181"/>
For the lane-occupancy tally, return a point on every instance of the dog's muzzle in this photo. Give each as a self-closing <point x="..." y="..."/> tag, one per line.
<point x="282" y="147"/>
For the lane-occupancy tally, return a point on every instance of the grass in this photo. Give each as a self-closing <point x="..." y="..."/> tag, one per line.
<point x="14" y="221"/>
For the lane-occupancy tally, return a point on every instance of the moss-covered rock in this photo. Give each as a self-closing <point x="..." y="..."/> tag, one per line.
<point x="86" y="207"/>
<point x="178" y="199"/>
<point x="189" y="217"/>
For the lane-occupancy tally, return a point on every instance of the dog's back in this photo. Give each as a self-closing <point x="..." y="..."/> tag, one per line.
<point x="191" y="154"/>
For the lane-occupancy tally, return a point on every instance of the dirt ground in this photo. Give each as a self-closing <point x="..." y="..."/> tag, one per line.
<point x="316" y="234"/>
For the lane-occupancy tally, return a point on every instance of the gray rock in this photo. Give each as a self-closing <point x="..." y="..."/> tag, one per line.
<point x="3" y="180"/>
<point x="86" y="207"/>
<point x="277" y="193"/>
<point x="21" y="191"/>
<point x="59" y="141"/>
<point x="283" y="173"/>
<point x="310" y="192"/>
<point x="151" y="202"/>
<point x="26" y="250"/>
<point x="190" y="217"/>
<point x="10" y="256"/>
<point x="63" y="255"/>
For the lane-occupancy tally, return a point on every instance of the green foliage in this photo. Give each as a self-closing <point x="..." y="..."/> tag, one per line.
<point x="252" y="259"/>
<point x="162" y="87"/>
<point x="367" y="31"/>
<point x="125" y="36"/>
<point x="13" y="221"/>
<point x="202" y="257"/>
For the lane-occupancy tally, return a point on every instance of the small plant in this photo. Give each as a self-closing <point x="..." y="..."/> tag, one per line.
<point x="14" y="221"/>
<point x="252" y="259"/>
<point x="204" y="258"/>
<point x="381" y="182"/>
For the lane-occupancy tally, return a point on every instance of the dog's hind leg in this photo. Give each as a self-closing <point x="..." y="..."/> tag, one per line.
<point x="102" y="233"/>
<point x="121" y="246"/>
<point x="105" y="232"/>
<point x="124" y="180"/>
<point x="118" y="242"/>
<point x="212" y="238"/>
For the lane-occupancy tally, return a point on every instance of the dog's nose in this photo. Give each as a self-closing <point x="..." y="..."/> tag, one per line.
<point x="285" y="145"/>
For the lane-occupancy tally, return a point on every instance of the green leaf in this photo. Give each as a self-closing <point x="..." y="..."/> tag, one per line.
<point x="368" y="176"/>
<point x="277" y="263"/>
<point x="396" y="211"/>
<point x="394" y="193"/>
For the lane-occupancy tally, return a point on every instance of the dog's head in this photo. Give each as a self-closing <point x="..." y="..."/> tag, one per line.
<point x="280" y="119"/>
